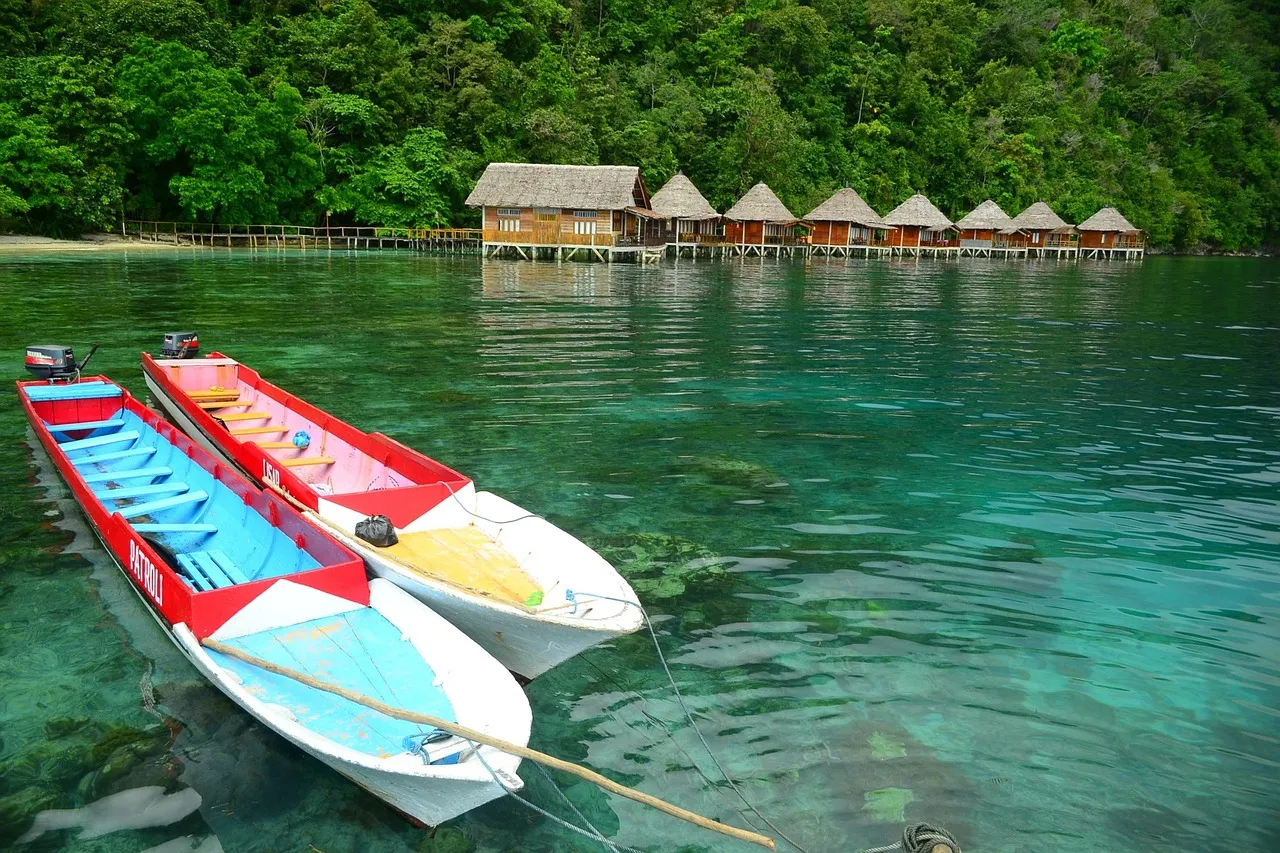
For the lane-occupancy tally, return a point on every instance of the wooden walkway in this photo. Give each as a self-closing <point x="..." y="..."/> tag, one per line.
<point x="303" y="237"/>
<point x="600" y="248"/>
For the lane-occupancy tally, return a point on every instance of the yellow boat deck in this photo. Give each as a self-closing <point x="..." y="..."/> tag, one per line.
<point x="466" y="556"/>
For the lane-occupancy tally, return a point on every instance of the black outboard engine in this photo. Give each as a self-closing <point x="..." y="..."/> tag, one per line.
<point x="180" y="345"/>
<point x="55" y="363"/>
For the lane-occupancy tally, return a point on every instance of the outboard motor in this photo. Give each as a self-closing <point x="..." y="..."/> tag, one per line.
<point x="55" y="363"/>
<point x="180" y="345"/>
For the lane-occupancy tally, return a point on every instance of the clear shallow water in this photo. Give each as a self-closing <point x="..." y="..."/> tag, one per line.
<point x="994" y="546"/>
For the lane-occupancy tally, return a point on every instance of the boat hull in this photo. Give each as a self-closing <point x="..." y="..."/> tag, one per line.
<point x="526" y="643"/>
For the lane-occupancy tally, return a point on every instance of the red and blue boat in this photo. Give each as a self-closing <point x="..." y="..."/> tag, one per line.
<point x="213" y="557"/>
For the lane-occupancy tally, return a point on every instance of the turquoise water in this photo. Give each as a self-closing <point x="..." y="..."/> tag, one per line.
<point x="995" y="546"/>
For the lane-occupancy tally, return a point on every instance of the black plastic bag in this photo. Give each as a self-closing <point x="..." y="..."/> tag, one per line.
<point x="377" y="530"/>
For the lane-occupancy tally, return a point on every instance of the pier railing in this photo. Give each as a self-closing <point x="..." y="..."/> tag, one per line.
<point x="347" y="236"/>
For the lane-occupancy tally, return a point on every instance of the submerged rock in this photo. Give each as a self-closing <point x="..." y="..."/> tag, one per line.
<point x="659" y="566"/>
<point x="725" y="470"/>
<point x="889" y="805"/>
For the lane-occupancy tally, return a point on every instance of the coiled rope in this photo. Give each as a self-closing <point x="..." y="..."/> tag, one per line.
<point x="921" y="838"/>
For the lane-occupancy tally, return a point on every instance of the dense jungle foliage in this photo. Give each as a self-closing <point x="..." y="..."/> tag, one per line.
<point x="386" y="111"/>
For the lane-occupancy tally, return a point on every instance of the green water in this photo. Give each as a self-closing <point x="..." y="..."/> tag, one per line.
<point x="995" y="546"/>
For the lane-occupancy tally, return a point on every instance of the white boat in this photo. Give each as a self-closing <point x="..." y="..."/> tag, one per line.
<point x="215" y="558"/>
<point x="529" y="593"/>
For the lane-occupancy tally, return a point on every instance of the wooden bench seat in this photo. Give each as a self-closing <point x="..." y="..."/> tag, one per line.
<point x="305" y="460"/>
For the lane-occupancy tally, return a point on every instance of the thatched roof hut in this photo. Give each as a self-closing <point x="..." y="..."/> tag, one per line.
<point x="1039" y="217"/>
<point x="680" y="199"/>
<point x="846" y="206"/>
<point x="543" y="185"/>
<point x="1108" y="219"/>
<point x="918" y="212"/>
<point x="987" y="216"/>
<point x="760" y="205"/>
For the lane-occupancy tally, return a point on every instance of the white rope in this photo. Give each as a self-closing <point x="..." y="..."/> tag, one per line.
<point x="593" y="833"/>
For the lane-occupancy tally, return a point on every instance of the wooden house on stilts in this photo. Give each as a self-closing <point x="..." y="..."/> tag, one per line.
<point x="1107" y="234"/>
<point x="687" y="221"/>
<point x="921" y="229"/>
<point x="531" y="210"/>
<point x="846" y="225"/>
<point x="1044" y="233"/>
<point x="984" y="232"/>
<point x="760" y="224"/>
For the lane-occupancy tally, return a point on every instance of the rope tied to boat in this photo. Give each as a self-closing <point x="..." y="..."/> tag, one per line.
<point x="921" y="838"/>
<point x="417" y="744"/>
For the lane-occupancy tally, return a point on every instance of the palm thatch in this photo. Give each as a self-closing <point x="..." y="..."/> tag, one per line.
<point x="846" y="206"/>
<point x="1108" y="219"/>
<point x="918" y="212"/>
<point x="680" y="199"/>
<point x="1039" y="217"/>
<point x="987" y="216"/>
<point x="760" y="205"/>
<point x="542" y="185"/>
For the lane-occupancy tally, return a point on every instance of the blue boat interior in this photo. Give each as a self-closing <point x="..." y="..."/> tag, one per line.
<point x="202" y="528"/>
<point x="359" y="650"/>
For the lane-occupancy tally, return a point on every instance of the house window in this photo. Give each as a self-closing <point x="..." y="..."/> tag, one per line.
<point x="507" y="223"/>
<point x="546" y="214"/>
<point x="508" y="211"/>
<point x="584" y="226"/>
<point x="1035" y="236"/>
<point x="584" y="214"/>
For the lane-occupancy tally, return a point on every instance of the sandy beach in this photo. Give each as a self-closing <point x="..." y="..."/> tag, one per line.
<point x="17" y="244"/>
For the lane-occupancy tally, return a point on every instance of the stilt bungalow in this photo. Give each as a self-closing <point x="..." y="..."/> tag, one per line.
<point x="686" y="219"/>
<point x="760" y="224"/>
<point x="532" y="209"/>
<point x="983" y="232"/>
<point x="846" y="225"/>
<point x="1107" y="234"/>
<point x="921" y="229"/>
<point x="1044" y="233"/>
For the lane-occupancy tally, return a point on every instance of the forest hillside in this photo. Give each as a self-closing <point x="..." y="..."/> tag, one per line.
<point x="385" y="112"/>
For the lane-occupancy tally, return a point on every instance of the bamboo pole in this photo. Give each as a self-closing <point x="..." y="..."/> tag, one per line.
<point x="497" y="743"/>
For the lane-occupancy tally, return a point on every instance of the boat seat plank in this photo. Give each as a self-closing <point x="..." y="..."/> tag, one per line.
<point x="121" y="492"/>
<point x="100" y="440"/>
<point x="212" y="394"/>
<point x="176" y="528"/>
<point x="211" y="569"/>
<point x="359" y="650"/>
<point x="244" y="416"/>
<point x="129" y="474"/>
<point x="77" y="391"/>
<point x="107" y="424"/>
<point x="278" y="445"/>
<point x="224" y="404"/>
<point x="231" y="569"/>
<point x="306" y="460"/>
<point x="164" y="503"/>
<point x="114" y="456"/>
<point x="261" y="430"/>
<point x="199" y="581"/>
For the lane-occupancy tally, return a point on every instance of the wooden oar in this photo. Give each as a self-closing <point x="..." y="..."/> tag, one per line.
<point x="497" y="743"/>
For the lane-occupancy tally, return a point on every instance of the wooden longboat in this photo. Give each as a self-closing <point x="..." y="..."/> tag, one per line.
<point x="214" y="557"/>
<point x="529" y="593"/>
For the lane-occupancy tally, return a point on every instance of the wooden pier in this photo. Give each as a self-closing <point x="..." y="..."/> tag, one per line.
<point x="303" y="236"/>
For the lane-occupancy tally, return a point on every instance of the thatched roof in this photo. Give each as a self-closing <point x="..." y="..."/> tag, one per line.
<point x="918" y="211"/>
<point x="760" y="205"/>
<point x="1108" y="219"/>
<point x="846" y="206"/>
<point x="1038" y="217"/>
<point x="541" y="185"/>
<point x="680" y="199"/>
<point x="987" y="216"/>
